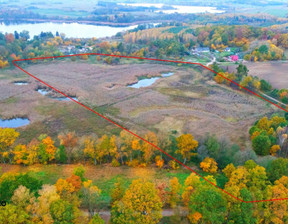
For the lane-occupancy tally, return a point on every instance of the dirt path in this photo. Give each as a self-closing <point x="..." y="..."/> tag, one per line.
<point x="106" y="214"/>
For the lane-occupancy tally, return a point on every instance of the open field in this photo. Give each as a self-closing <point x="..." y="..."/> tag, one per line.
<point x="274" y="72"/>
<point x="188" y="101"/>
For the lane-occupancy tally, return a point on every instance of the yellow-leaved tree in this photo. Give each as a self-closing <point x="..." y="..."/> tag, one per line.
<point x="209" y="165"/>
<point x="140" y="204"/>
<point x="186" y="146"/>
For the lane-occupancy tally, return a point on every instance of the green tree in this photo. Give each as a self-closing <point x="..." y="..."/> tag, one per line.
<point x="210" y="203"/>
<point x="277" y="169"/>
<point x="60" y="155"/>
<point x="261" y="144"/>
<point x="10" y="183"/>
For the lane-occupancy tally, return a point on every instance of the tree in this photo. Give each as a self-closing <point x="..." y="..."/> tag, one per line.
<point x="174" y="192"/>
<point x="210" y="204"/>
<point x="242" y="70"/>
<point x="25" y="35"/>
<point x="7" y="138"/>
<point x="209" y="165"/>
<point x="263" y="49"/>
<point x="40" y="208"/>
<point x="75" y="181"/>
<point x="11" y="214"/>
<point x="186" y="144"/>
<point x="80" y="172"/>
<point x="190" y="186"/>
<point x="147" y="148"/>
<point x="102" y="147"/>
<point x="61" y="211"/>
<point x="117" y="192"/>
<point x="22" y="197"/>
<point x="91" y="195"/>
<point x="10" y="183"/>
<point x="97" y="220"/>
<point x="60" y="154"/>
<point x="140" y="204"/>
<point x="69" y="140"/>
<point x="261" y="144"/>
<point x="277" y="169"/>
<point x="265" y="86"/>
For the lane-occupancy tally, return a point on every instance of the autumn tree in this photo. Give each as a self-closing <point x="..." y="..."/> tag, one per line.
<point x="40" y="208"/>
<point x="97" y="220"/>
<point x="147" y="148"/>
<point x="186" y="145"/>
<point x="69" y="140"/>
<point x="11" y="214"/>
<point x="278" y="209"/>
<point x="62" y="211"/>
<point x="91" y="195"/>
<point x="7" y="138"/>
<point x="190" y="186"/>
<point x="117" y="192"/>
<point x="209" y="165"/>
<point x="140" y="204"/>
<point x="102" y="147"/>
<point x="174" y="192"/>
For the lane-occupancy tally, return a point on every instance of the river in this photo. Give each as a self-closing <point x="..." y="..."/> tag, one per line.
<point x="77" y="30"/>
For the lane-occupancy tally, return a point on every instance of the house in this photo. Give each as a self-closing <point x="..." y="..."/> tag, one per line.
<point x="227" y="49"/>
<point x="234" y="58"/>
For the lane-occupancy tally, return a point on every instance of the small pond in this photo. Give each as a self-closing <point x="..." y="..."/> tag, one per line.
<point x="20" y="83"/>
<point x="149" y="81"/>
<point x="14" y="123"/>
<point x="45" y="92"/>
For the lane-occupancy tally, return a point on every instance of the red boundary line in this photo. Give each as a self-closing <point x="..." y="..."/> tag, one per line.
<point x="150" y="59"/>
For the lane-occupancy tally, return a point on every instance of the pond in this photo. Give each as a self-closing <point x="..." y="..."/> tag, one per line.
<point x="20" y="83"/>
<point x="177" y="8"/>
<point x="14" y="123"/>
<point x="149" y="81"/>
<point x="77" y="30"/>
<point x="44" y="92"/>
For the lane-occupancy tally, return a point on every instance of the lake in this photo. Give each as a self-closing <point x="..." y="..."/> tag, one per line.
<point x="177" y="8"/>
<point x="149" y="81"/>
<point x="77" y="30"/>
<point x="14" y="123"/>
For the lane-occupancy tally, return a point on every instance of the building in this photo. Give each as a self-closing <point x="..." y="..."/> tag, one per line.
<point x="234" y="58"/>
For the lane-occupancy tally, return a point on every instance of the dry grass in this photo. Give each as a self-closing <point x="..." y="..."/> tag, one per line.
<point x="187" y="101"/>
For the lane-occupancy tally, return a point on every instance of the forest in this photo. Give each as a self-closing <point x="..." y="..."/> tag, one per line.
<point x="222" y="163"/>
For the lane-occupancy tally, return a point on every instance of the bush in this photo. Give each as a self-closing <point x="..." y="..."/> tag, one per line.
<point x="133" y="163"/>
<point x="173" y="164"/>
<point x="115" y="163"/>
